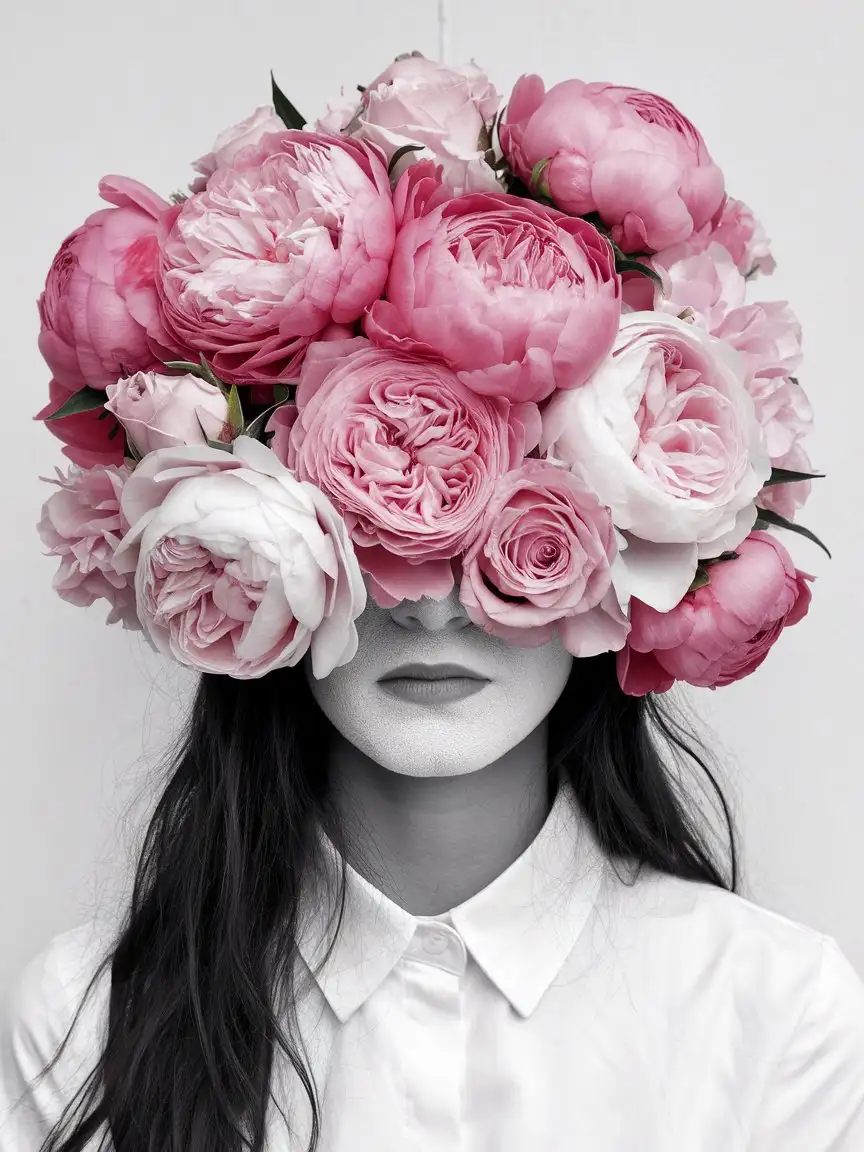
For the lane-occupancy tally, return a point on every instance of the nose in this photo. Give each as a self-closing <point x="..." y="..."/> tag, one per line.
<point x="447" y="615"/>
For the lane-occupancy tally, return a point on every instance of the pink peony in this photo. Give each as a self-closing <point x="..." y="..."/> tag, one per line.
<point x="699" y="279"/>
<point x="445" y="108"/>
<point x="721" y="632"/>
<point x="239" y="567"/>
<point x="629" y="155"/>
<point x="296" y="233"/>
<point x="768" y="336"/>
<point x="666" y="433"/>
<point x="98" y="310"/>
<point x="737" y="229"/>
<point x="232" y="140"/>
<point x="541" y="562"/>
<point x="409" y="456"/>
<point x="83" y="524"/>
<point x="516" y="298"/>
<point x="91" y="439"/>
<point x="787" y="499"/>
<point x="167" y="411"/>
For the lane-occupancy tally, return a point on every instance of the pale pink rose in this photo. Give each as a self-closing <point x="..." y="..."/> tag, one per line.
<point x="627" y="154"/>
<point x="722" y="631"/>
<point x="738" y="230"/>
<point x="768" y="336"/>
<point x="240" y="568"/>
<point x="167" y="411"/>
<point x="98" y="312"/>
<point x="666" y="433"/>
<point x="408" y="455"/>
<point x="89" y="438"/>
<point x="230" y="142"/>
<point x="516" y="298"/>
<point x="83" y="524"/>
<point x="338" y="114"/>
<point x="699" y="278"/>
<point x="542" y="563"/>
<point x="787" y="499"/>
<point x="296" y="233"/>
<point x="445" y="108"/>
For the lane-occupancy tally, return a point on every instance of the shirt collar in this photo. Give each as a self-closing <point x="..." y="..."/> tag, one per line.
<point x="519" y="929"/>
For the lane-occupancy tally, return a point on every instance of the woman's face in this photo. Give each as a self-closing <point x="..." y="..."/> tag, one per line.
<point x="456" y="727"/>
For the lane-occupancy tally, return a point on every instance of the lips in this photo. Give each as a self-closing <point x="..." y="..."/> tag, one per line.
<point x="432" y="672"/>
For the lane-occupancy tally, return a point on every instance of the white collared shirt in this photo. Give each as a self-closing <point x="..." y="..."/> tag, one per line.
<point x="558" y="1010"/>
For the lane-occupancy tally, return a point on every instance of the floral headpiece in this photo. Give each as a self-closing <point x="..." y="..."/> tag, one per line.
<point x="423" y="343"/>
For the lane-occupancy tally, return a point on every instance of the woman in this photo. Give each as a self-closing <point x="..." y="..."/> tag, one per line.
<point x="422" y="874"/>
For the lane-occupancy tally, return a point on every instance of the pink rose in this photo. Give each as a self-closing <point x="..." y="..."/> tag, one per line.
<point x="445" y="108"/>
<point x="722" y="631"/>
<point x="409" y="456"/>
<point x="541" y="563"/>
<point x="98" y="310"/>
<point x="699" y="278"/>
<point x="787" y="499"/>
<point x="768" y="336"/>
<point x="516" y="298"/>
<point x="82" y="524"/>
<point x="230" y="142"/>
<point x="338" y="114"/>
<point x="738" y="230"/>
<point x="90" y="438"/>
<point x="666" y="433"/>
<point x="627" y="154"/>
<point x="239" y="567"/>
<point x="296" y="233"/>
<point x="167" y="411"/>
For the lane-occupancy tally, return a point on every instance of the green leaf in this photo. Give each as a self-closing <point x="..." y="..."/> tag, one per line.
<point x="281" y="392"/>
<point x="721" y="559"/>
<point x="285" y="110"/>
<point x="210" y="376"/>
<point x="793" y="380"/>
<point x="218" y="444"/>
<point x="536" y="175"/>
<point x="186" y="365"/>
<point x="85" y="400"/>
<point x="700" y="579"/>
<point x="400" y="152"/>
<point x="786" y="476"/>
<point x="255" y="428"/>
<point x="235" y="411"/>
<point x="626" y="264"/>
<point x="767" y="516"/>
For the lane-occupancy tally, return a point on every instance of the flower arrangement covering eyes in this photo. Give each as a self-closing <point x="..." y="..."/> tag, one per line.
<point x="425" y="341"/>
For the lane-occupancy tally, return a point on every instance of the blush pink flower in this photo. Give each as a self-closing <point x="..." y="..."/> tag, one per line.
<point x="666" y="433"/>
<point x="83" y="524"/>
<point x="788" y="499"/>
<point x="516" y="298"/>
<point x="167" y="411"/>
<point x="541" y="563"/>
<point x="627" y="154"/>
<point x="720" y="632"/>
<point x="232" y="140"/>
<point x="98" y="311"/>
<point x="297" y="232"/>
<point x="737" y="229"/>
<point x="239" y="567"/>
<point x="698" y="278"/>
<point x="445" y="108"/>
<point x="409" y="456"/>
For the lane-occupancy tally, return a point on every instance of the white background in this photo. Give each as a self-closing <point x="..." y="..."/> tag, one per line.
<point x="108" y="86"/>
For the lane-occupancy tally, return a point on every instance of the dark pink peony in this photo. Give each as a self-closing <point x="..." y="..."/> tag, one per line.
<point x="98" y="310"/>
<point x="721" y="632"/>
<point x="516" y="298"/>
<point x="407" y="453"/>
<point x="295" y="233"/>
<point x="542" y="563"/>
<point x="83" y="524"/>
<point x="627" y="154"/>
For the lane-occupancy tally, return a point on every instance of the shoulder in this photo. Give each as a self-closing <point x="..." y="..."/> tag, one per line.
<point x="38" y="1010"/>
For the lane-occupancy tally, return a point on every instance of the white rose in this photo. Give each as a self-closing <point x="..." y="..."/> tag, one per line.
<point x="167" y="411"/>
<point x="239" y="567"/>
<point x="667" y="435"/>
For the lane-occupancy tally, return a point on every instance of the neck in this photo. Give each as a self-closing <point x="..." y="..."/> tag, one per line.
<point x="430" y="843"/>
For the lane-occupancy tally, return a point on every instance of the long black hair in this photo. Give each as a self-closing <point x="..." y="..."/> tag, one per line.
<point x="207" y="947"/>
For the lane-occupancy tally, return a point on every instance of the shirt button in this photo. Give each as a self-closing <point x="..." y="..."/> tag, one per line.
<point x="435" y="943"/>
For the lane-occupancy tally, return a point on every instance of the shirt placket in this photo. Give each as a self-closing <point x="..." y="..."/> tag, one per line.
<point x="434" y="1050"/>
